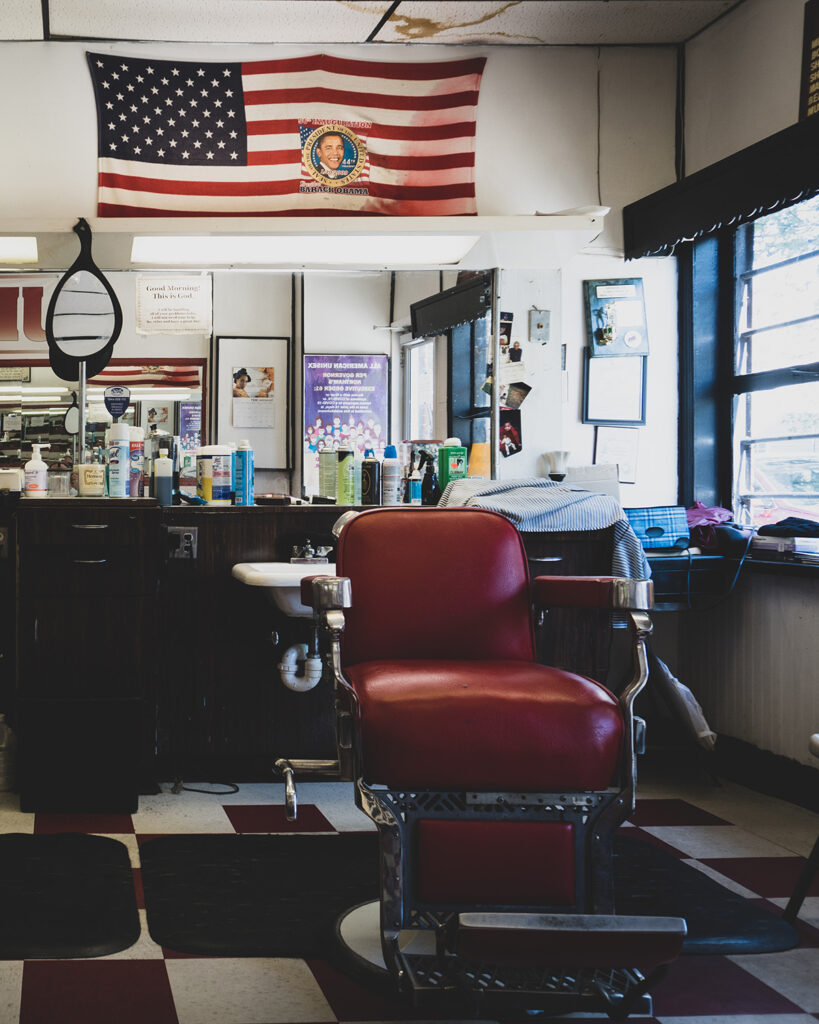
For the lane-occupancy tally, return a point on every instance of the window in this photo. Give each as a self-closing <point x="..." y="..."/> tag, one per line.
<point x="419" y="395"/>
<point x="775" y="449"/>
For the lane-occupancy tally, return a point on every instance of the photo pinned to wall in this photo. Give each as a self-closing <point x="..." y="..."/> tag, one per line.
<point x="510" y="437"/>
<point x="514" y="394"/>
<point x="616" y="317"/>
<point x="253" y="383"/>
<point x="618" y="446"/>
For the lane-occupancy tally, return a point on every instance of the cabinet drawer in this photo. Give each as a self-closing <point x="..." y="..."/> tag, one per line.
<point x="89" y="570"/>
<point x="89" y="527"/>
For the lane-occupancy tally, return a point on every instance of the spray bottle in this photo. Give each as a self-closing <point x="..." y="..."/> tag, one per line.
<point x="36" y="472"/>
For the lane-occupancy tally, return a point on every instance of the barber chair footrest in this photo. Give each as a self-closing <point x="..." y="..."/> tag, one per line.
<point x="560" y="963"/>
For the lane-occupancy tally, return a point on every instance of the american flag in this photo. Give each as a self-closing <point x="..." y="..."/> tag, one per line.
<point x="184" y="138"/>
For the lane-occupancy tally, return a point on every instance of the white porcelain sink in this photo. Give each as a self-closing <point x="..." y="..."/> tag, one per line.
<point x="282" y="581"/>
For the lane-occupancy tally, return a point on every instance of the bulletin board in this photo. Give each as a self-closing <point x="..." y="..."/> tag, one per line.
<point x="616" y="317"/>
<point x="252" y="389"/>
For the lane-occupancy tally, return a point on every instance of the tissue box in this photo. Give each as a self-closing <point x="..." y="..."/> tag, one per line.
<point x="663" y="527"/>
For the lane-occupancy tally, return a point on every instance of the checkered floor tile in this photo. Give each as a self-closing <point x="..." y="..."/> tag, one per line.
<point x="752" y="844"/>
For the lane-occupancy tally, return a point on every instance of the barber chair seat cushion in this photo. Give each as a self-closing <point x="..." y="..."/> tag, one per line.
<point x="485" y="725"/>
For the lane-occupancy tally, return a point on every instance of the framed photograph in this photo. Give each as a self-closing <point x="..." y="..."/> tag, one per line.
<point x="616" y="317"/>
<point x="617" y="446"/>
<point x="252" y="389"/>
<point x="614" y="390"/>
<point x="160" y="414"/>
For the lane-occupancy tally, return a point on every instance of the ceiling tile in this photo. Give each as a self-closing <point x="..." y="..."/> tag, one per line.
<point x="21" y="19"/>
<point x="218" y="21"/>
<point x="553" y="22"/>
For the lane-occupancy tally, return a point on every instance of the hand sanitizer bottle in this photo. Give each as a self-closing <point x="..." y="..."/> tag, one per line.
<point x="36" y="472"/>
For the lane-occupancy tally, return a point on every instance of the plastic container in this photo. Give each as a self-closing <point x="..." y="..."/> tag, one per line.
<point x="8" y="756"/>
<point x="345" y="481"/>
<point x="415" y="487"/>
<point x="328" y="473"/>
<point x="390" y="477"/>
<point x="137" y="461"/>
<point x="119" y="460"/>
<point x="36" y="471"/>
<point x="245" y="472"/>
<point x="163" y="479"/>
<point x="213" y="466"/>
<point x="452" y="464"/>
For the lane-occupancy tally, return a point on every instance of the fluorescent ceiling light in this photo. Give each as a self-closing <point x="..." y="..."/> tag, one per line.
<point x="297" y="250"/>
<point x="18" y="249"/>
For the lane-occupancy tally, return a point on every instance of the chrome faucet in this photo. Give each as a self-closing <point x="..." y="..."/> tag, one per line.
<point x="309" y="552"/>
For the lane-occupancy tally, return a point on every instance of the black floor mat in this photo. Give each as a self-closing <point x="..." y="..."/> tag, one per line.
<point x="65" y="895"/>
<point x="648" y="880"/>
<point x="280" y="895"/>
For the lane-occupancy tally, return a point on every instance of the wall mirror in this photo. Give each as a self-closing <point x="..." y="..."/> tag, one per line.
<point x="170" y="397"/>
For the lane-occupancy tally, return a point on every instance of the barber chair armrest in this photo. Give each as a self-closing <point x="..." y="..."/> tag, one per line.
<point x="326" y="593"/>
<point x="602" y="592"/>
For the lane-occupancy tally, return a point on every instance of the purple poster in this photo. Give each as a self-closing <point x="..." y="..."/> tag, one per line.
<point x="190" y="425"/>
<point x="345" y="404"/>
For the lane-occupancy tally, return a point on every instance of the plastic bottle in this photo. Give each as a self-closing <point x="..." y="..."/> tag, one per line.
<point x="8" y="758"/>
<point x="370" y="479"/>
<point x="345" y="486"/>
<point x="213" y="474"/>
<point x="390" y="477"/>
<point x="36" y="472"/>
<point x="137" y="461"/>
<point x="245" y="487"/>
<point x="232" y="446"/>
<point x="119" y="460"/>
<point x="415" y="484"/>
<point x="430" y="491"/>
<point x="163" y="478"/>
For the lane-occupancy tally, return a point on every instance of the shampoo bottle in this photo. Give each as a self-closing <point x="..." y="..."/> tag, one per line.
<point x="414" y="496"/>
<point x="36" y="472"/>
<point x="137" y="461"/>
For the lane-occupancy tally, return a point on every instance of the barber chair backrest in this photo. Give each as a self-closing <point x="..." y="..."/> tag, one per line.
<point x="435" y="583"/>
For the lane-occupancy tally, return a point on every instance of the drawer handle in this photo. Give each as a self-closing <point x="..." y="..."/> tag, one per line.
<point x="89" y="526"/>
<point x="90" y="561"/>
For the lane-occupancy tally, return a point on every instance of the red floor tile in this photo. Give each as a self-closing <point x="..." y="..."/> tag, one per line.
<point x="672" y="812"/>
<point x="271" y="818"/>
<point x="96" y="992"/>
<point x="102" y="824"/>
<point x="698" y="986"/>
<point x="769" y="876"/>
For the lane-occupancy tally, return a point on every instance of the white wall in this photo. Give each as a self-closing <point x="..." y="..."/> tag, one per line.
<point x="742" y="79"/>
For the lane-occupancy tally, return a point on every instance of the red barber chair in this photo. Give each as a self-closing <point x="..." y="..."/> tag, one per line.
<point x="495" y="782"/>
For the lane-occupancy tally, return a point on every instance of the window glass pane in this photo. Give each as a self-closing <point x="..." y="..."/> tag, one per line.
<point x="777" y="478"/>
<point x="781" y="295"/>
<point x="780" y="347"/>
<point x="421" y="370"/>
<point x="786" y="233"/>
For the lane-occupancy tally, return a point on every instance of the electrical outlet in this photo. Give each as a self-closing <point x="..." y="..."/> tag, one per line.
<point x="539" y="325"/>
<point x="183" y="541"/>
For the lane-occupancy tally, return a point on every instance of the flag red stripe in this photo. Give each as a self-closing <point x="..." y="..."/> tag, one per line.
<point x="364" y="99"/>
<point x="388" y="162"/>
<point x="412" y="133"/>
<point x="426" y="71"/>
<point x="276" y="188"/>
<point x="115" y="210"/>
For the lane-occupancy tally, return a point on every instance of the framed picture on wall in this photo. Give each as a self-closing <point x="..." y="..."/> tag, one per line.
<point x="252" y="392"/>
<point x="614" y="390"/>
<point x="617" y="446"/>
<point x="616" y="317"/>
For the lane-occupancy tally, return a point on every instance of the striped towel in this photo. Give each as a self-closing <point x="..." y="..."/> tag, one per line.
<point x="540" y="505"/>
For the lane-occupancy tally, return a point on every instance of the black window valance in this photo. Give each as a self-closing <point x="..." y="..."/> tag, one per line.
<point x="774" y="173"/>
<point x="467" y="301"/>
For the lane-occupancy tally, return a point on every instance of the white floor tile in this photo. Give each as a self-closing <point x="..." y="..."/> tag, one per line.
<point x="809" y="911"/>
<point x="143" y="949"/>
<point x="336" y="801"/>
<point x="794" y="974"/>
<point x="12" y="818"/>
<point x="246" y="991"/>
<point x="128" y="840"/>
<point x="182" y="813"/>
<point x="11" y="984"/>
<point x="705" y="841"/>
<point x="724" y="880"/>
